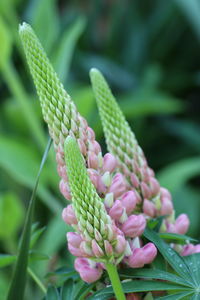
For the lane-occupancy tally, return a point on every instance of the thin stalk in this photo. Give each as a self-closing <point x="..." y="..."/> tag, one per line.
<point x="115" y="281"/>
<point x="37" y="280"/>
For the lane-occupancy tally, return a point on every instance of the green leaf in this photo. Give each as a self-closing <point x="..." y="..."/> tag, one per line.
<point x="176" y="296"/>
<point x="84" y="291"/>
<point x="18" y="282"/>
<point x="175" y="260"/>
<point x="6" y="260"/>
<point x="35" y="236"/>
<point x="37" y="255"/>
<point x="39" y="11"/>
<point x="67" y="290"/>
<point x="149" y="102"/>
<point x="191" y="10"/>
<point x="193" y="262"/>
<point x="22" y="163"/>
<point x="178" y="173"/>
<point x="6" y="42"/>
<point x="11" y="215"/>
<point x="64" y="51"/>
<point x="52" y="294"/>
<point x="153" y="274"/>
<point x="139" y="286"/>
<point x="179" y="238"/>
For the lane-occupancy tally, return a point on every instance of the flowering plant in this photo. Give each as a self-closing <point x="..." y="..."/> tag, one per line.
<point x="118" y="212"/>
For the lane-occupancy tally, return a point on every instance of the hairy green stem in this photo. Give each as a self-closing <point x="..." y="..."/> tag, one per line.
<point x="115" y="281"/>
<point x="37" y="280"/>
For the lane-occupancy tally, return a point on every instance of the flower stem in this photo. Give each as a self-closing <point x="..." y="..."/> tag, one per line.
<point x="115" y="281"/>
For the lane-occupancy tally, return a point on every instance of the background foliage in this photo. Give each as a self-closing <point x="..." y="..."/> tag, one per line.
<point x="149" y="53"/>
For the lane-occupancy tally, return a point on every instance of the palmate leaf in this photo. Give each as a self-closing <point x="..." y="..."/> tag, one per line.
<point x="176" y="261"/>
<point x="139" y="286"/>
<point x="177" y="296"/>
<point x="153" y="274"/>
<point x="18" y="283"/>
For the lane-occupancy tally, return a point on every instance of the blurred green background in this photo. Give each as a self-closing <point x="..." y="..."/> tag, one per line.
<point x="149" y="51"/>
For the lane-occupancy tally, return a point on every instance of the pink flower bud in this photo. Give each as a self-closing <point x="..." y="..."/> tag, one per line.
<point x="92" y="160"/>
<point x="134" y="226"/>
<point x="74" y="239"/>
<point x="116" y="211"/>
<point x="75" y="251"/>
<point x="108" y="248"/>
<point x="118" y="186"/>
<point x="59" y="159"/>
<point x="87" y="272"/>
<point x="134" y="180"/>
<point x="166" y="206"/>
<point x="150" y="252"/>
<point x="93" y="176"/>
<point x="129" y="201"/>
<point x="182" y="224"/>
<point x="197" y="249"/>
<point x="101" y="188"/>
<point x="109" y="163"/>
<point x="165" y="193"/>
<point x="188" y="250"/>
<point x="68" y="215"/>
<point x="171" y="228"/>
<point x="155" y="186"/>
<point x="91" y="134"/>
<point x="121" y="244"/>
<point x="136" y="260"/>
<point x="85" y="247"/>
<point x="94" y="147"/>
<point x="98" y="252"/>
<point x="64" y="189"/>
<point x="149" y="208"/>
<point x="146" y="191"/>
<point x="82" y="146"/>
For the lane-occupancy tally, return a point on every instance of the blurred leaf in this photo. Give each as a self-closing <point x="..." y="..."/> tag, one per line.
<point x="52" y="294"/>
<point x="84" y="99"/>
<point x="6" y="42"/>
<point x="149" y="102"/>
<point x="35" y="236"/>
<point x="22" y="163"/>
<point x="6" y="260"/>
<point x="178" y="173"/>
<point x="11" y="215"/>
<point x="67" y="290"/>
<point x="64" y="51"/>
<point x="114" y="73"/>
<point x="187" y="131"/>
<point x="40" y="11"/>
<point x="186" y="200"/>
<point x="191" y="9"/>
<point x="67" y="273"/>
<point x="36" y="255"/>
<point x="18" y="282"/>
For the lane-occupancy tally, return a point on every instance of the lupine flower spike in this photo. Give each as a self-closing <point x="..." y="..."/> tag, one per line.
<point x="152" y="199"/>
